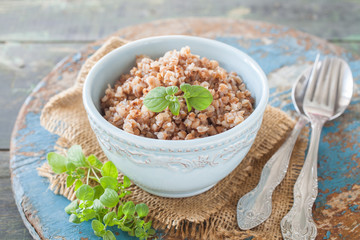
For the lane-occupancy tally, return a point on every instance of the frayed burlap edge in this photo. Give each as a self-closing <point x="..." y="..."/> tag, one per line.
<point x="211" y="215"/>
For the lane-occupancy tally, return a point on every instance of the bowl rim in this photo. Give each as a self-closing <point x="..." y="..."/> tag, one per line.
<point x="140" y="140"/>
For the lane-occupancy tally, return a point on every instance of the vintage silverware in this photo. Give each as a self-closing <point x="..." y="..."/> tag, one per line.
<point x="328" y="94"/>
<point x="255" y="207"/>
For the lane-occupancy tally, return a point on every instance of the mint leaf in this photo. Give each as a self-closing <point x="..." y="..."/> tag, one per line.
<point x="85" y="192"/>
<point x="94" y="161"/>
<point x="147" y="225"/>
<point x="109" y="169"/>
<point x="76" y="156"/>
<point x="88" y="214"/>
<point x="140" y="223"/>
<point x="99" y="190"/>
<point x="196" y="96"/>
<point x="108" y="218"/>
<point x="171" y="90"/>
<point x="185" y="87"/>
<point x="129" y="208"/>
<point x="57" y="162"/>
<point x="139" y="232"/>
<point x="120" y="212"/>
<point x="74" y="219"/>
<point x="109" y="182"/>
<point x="125" y="229"/>
<point x="142" y="210"/>
<point x="88" y="203"/>
<point x="98" y="227"/>
<point x="71" y="207"/>
<point x="109" y="198"/>
<point x="126" y="182"/>
<point x="97" y="206"/>
<point x="188" y="104"/>
<point x="70" y="166"/>
<point x="70" y="180"/>
<point x="155" y="100"/>
<point x="100" y="234"/>
<point x="109" y="236"/>
<point x="200" y="98"/>
<point x="151" y="231"/>
<point x="80" y="172"/>
<point x="175" y="107"/>
<point x="78" y="184"/>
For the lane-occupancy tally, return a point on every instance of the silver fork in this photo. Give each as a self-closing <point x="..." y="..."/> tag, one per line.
<point x="320" y="103"/>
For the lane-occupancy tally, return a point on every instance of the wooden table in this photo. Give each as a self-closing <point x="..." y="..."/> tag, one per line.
<point x="34" y="36"/>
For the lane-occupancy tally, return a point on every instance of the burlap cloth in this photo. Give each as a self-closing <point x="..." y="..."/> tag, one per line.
<point x="210" y="215"/>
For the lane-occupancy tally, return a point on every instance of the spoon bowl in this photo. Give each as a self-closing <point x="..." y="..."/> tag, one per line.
<point x="344" y="98"/>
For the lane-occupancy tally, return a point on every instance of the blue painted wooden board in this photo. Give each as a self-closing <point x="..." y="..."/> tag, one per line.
<point x="283" y="54"/>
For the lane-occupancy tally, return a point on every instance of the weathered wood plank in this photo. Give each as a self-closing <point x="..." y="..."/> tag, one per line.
<point x="352" y="47"/>
<point x="94" y="19"/>
<point x="12" y="226"/>
<point x="22" y="66"/>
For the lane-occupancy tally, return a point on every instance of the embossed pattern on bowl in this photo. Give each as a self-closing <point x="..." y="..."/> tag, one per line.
<point x="175" y="168"/>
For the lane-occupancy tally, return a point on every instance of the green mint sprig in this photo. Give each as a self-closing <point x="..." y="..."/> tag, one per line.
<point x="195" y="96"/>
<point x="97" y="202"/>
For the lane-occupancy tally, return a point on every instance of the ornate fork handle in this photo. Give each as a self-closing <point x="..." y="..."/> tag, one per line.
<point x="255" y="207"/>
<point x="298" y="223"/>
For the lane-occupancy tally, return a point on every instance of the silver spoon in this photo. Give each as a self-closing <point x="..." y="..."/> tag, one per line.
<point x="328" y="94"/>
<point x="255" y="207"/>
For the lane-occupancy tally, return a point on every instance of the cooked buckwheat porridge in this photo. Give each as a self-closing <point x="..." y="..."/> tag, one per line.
<point x="123" y="104"/>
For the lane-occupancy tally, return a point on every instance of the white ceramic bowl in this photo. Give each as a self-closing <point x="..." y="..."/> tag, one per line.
<point x="175" y="168"/>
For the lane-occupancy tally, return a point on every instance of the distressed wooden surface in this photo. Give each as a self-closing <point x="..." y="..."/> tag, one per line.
<point x="19" y="74"/>
<point x="35" y="35"/>
<point x="90" y="20"/>
<point x="283" y="54"/>
<point x="8" y="210"/>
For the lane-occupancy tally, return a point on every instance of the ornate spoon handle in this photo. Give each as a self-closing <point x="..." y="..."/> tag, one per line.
<point x="255" y="207"/>
<point x="298" y="223"/>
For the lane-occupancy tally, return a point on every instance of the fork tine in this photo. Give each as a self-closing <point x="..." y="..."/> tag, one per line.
<point x="322" y="82"/>
<point x="334" y="83"/>
<point x="311" y="76"/>
<point x="326" y="82"/>
<point x="309" y="91"/>
<point x="341" y="79"/>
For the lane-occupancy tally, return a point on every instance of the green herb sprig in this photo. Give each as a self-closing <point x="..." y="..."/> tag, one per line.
<point x="98" y="202"/>
<point x="195" y="96"/>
